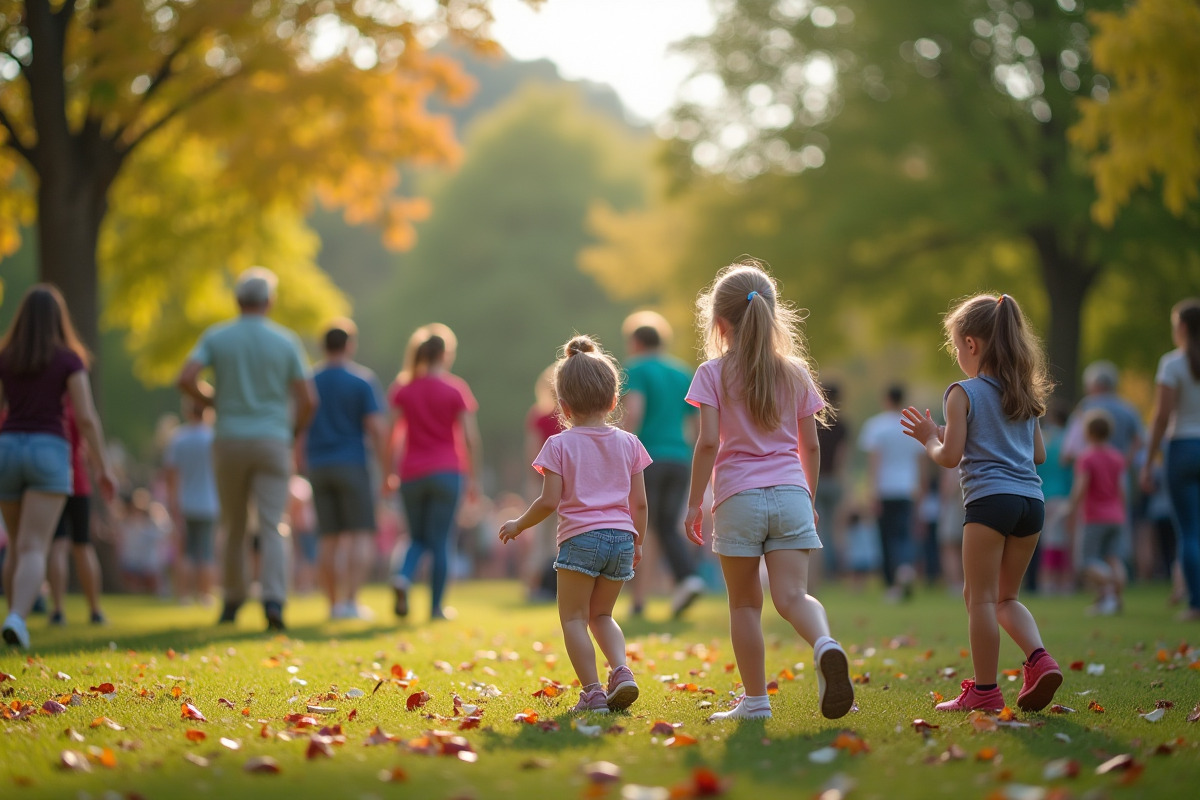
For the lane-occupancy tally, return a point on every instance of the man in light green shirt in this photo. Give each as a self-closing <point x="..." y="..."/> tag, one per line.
<point x="264" y="397"/>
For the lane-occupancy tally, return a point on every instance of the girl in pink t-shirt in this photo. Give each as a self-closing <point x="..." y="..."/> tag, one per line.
<point x="758" y="444"/>
<point x="592" y="475"/>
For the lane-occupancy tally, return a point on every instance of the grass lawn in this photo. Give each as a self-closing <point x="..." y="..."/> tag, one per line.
<point x="132" y="741"/>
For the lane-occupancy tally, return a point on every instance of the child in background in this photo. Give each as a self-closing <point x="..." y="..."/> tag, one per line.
<point x="192" y="500"/>
<point x="992" y="435"/>
<point x="143" y="544"/>
<point x="758" y="445"/>
<point x="1098" y="495"/>
<point x="592" y="475"/>
<point x="1057" y="575"/>
<point x="861" y="555"/>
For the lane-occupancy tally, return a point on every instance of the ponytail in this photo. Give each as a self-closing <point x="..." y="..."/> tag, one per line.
<point x="427" y="347"/>
<point x="1187" y="312"/>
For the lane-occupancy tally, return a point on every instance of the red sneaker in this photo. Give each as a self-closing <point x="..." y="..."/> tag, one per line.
<point x="1041" y="680"/>
<point x="972" y="699"/>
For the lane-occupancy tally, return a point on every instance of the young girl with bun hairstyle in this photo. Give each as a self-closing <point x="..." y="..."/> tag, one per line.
<point x="592" y="476"/>
<point x="992" y="435"/>
<point x="759" y="408"/>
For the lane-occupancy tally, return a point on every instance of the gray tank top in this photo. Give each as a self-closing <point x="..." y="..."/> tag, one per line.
<point x="998" y="457"/>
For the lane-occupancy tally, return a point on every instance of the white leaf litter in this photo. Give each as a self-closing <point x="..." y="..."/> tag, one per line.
<point x="1155" y="715"/>
<point x="1095" y="669"/>
<point x="825" y="755"/>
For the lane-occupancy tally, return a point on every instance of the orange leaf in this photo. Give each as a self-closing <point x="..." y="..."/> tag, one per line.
<point x="937" y="697"/>
<point x="987" y="754"/>
<point x="851" y="742"/>
<point x="921" y="725"/>
<point x="680" y="740"/>
<point x="104" y="688"/>
<point x="194" y="735"/>
<point x="1163" y="656"/>
<point x="773" y="687"/>
<point x="176" y="691"/>
<point x="398" y="672"/>
<point x="1006" y="715"/>
<point x="528" y="716"/>
<point x="1094" y="706"/>
<point x="189" y="711"/>
<point x="108" y="758"/>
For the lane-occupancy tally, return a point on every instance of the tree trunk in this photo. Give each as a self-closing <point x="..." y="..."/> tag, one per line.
<point x="1067" y="279"/>
<point x="69" y="218"/>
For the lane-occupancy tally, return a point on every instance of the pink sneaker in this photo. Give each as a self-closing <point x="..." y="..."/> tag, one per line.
<point x="622" y="689"/>
<point x="972" y="699"/>
<point x="593" y="700"/>
<point x="1042" y="679"/>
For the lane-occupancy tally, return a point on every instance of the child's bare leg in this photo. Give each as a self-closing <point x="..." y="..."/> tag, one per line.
<point x="745" y="621"/>
<point x="574" y="609"/>
<point x="788" y="571"/>
<point x="1012" y="614"/>
<point x="983" y="549"/>
<point x="56" y="573"/>
<point x="87" y="566"/>
<point x="608" y="633"/>
<point x="1119" y="576"/>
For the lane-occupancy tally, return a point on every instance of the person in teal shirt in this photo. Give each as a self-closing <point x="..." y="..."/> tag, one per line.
<point x="655" y="410"/>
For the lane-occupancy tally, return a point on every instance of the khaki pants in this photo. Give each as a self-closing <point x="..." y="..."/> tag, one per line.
<point x="258" y="470"/>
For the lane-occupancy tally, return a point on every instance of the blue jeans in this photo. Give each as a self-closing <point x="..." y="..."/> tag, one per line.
<point x="1183" y="482"/>
<point x="429" y="505"/>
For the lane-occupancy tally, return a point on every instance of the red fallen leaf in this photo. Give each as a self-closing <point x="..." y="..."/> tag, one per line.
<point x="264" y="765"/>
<point x="1077" y="666"/>
<point x="922" y="726"/>
<point x="104" y="688"/>
<point x="549" y="725"/>
<point x="1058" y="709"/>
<point x="1164" y="704"/>
<point x="319" y="746"/>
<point x="398" y="672"/>
<point x="353" y="715"/>
<point x="265" y="731"/>
<point x="189" y="711"/>
<point x="221" y="701"/>
<point x="194" y="735"/>
<point x="704" y="783"/>
<point x="1094" y="706"/>
<point x="547" y="692"/>
<point x="53" y="707"/>
<point x="416" y="700"/>
<point x="301" y="720"/>
<point x="662" y="728"/>
<point x="773" y="687"/>
<point x="602" y="772"/>
<point x="4" y="676"/>
<point x="469" y="723"/>
<point x="379" y="737"/>
<point x="680" y="740"/>
<point x="528" y="716"/>
<point x="730" y="667"/>
<point x="851" y="742"/>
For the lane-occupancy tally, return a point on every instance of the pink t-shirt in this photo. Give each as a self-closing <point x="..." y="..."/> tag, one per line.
<point x="597" y="466"/>
<point x="434" y="441"/>
<point x="749" y="457"/>
<point x="1105" y="468"/>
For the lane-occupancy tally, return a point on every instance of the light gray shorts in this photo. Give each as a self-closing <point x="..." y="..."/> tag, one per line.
<point x="757" y="521"/>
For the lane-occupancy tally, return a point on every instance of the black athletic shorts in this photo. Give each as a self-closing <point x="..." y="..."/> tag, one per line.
<point x="1010" y="514"/>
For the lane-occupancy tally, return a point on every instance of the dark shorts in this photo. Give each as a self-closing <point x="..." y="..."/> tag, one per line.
<point x="1010" y="514"/>
<point x="199" y="540"/>
<point x="75" y="519"/>
<point x="342" y="498"/>
<point x="604" y="553"/>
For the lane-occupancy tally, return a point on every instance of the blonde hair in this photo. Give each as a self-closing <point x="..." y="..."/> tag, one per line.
<point x="1010" y="351"/>
<point x="762" y="345"/>
<point x="429" y="345"/>
<point x="587" y="380"/>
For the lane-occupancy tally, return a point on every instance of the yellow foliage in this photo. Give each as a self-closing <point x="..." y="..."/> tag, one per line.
<point x="1148" y="125"/>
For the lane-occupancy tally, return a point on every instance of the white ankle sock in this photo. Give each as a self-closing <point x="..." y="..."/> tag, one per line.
<point x="822" y="642"/>
<point x="748" y="708"/>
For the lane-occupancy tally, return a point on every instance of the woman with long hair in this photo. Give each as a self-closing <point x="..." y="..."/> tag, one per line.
<point x="41" y="362"/>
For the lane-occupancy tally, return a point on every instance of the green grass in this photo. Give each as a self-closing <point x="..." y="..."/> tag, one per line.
<point x="499" y="641"/>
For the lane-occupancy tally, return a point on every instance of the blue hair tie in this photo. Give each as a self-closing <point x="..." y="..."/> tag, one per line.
<point x="750" y="296"/>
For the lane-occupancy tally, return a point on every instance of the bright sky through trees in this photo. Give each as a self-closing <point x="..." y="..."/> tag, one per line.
<point x="623" y="43"/>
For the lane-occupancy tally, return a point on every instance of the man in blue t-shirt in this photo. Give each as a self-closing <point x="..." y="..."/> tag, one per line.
<point x="654" y="408"/>
<point x="335" y="453"/>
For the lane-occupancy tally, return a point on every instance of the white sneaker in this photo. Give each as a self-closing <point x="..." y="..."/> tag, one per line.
<point x="835" y="691"/>
<point x="691" y="588"/>
<point x="361" y="612"/>
<point x="15" y="632"/>
<point x="742" y="711"/>
<point x="341" y="611"/>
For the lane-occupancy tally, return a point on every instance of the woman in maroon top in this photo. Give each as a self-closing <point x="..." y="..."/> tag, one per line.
<point x="41" y="360"/>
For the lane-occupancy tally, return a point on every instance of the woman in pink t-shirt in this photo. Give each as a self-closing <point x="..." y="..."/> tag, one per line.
<point x="758" y="444"/>
<point x="435" y="430"/>
<point x="592" y="475"/>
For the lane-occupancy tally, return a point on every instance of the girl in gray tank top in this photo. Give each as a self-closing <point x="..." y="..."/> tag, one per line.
<point x="992" y="435"/>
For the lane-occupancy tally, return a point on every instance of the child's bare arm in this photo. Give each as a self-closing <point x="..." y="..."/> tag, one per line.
<point x="541" y="508"/>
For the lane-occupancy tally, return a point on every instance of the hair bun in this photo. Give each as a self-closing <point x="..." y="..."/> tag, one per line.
<point x="580" y="344"/>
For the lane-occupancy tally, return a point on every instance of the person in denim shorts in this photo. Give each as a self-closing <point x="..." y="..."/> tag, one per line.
<point x="592" y="476"/>
<point x="758" y="445"/>
<point x="41" y="362"/>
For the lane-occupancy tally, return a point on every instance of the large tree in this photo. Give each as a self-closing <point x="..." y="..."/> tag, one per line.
<point x="895" y="155"/>
<point x="267" y="102"/>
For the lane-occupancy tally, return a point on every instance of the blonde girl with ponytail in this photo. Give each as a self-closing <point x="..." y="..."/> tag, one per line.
<point x="759" y="410"/>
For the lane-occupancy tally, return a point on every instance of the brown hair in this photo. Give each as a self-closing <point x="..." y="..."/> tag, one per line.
<point x="1187" y="314"/>
<point x="763" y="346"/>
<point x="587" y="380"/>
<point x="1010" y="351"/>
<point x="1098" y="424"/>
<point x="427" y="347"/>
<point x="41" y="327"/>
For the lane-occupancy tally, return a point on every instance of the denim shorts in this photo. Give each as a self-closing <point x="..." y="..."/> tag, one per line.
<point x="1010" y="514"/>
<point x="604" y="553"/>
<point x="757" y="521"/>
<point x="37" y="461"/>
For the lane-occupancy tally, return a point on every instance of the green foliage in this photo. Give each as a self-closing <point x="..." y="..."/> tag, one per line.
<point x="903" y="653"/>
<point x="497" y="261"/>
